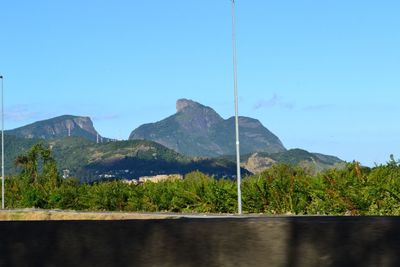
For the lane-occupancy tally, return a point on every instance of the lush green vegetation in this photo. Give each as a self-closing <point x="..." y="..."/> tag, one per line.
<point x="282" y="189"/>
<point x="89" y="161"/>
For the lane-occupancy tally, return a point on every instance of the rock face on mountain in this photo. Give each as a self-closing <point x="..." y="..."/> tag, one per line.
<point x="57" y="127"/>
<point x="256" y="163"/>
<point x="313" y="162"/>
<point x="197" y="130"/>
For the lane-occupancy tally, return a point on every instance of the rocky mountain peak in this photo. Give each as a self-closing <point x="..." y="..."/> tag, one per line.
<point x="194" y="116"/>
<point x="62" y="126"/>
<point x="84" y="123"/>
<point x="198" y="130"/>
<point x="184" y="103"/>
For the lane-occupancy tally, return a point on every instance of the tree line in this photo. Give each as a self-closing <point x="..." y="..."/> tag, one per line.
<point x="281" y="189"/>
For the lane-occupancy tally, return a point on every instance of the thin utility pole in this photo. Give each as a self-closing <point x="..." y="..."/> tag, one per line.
<point x="239" y="179"/>
<point x="2" y="144"/>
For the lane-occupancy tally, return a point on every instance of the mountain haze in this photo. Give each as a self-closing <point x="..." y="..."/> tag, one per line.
<point x="197" y="130"/>
<point x="58" y="127"/>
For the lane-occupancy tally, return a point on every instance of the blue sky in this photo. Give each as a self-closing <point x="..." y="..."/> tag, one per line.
<point x="322" y="75"/>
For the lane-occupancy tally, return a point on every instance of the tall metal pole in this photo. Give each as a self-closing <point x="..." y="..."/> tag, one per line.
<point x="2" y="143"/>
<point x="239" y="179"/>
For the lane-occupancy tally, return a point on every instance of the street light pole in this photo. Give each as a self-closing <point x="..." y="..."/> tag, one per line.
<point x="239" y="179"/>
<point x="2" y="144"/>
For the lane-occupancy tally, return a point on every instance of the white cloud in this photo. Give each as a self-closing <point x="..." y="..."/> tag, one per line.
<point x="274" y="101"/>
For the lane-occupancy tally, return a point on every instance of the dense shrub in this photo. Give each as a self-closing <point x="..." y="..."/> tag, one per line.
<point x="281" y="189"/>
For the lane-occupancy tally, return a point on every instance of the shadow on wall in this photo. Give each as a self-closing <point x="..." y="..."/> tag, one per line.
<point x="344" y="241"/>
<point x="276" y="241"/>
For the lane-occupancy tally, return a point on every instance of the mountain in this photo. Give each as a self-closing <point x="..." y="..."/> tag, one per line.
<point x="90" y="161"/>
<point x="197" y="130"/>
<point x="314" y="162"/>
<point x="132" y="159"/>
<point x="175" y="145"/>
<point x="62" y="126"/>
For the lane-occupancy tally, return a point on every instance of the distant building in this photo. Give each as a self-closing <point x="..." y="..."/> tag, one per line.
<point x="65" y="173"/>
<point x="160" y="178"/>
<point x="133" y="181"/>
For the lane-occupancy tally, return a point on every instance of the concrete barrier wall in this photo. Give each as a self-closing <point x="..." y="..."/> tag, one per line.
<point x="276" y="241"/>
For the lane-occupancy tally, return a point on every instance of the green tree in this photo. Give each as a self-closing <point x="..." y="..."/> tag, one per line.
<point x="39" y="176"/>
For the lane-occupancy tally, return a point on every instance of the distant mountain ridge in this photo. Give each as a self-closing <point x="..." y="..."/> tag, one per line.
<point x="58" y="127"/>
<point x="89" y="161"/>
<point x="194" y="138"/>
<point x="197" y="130"/>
